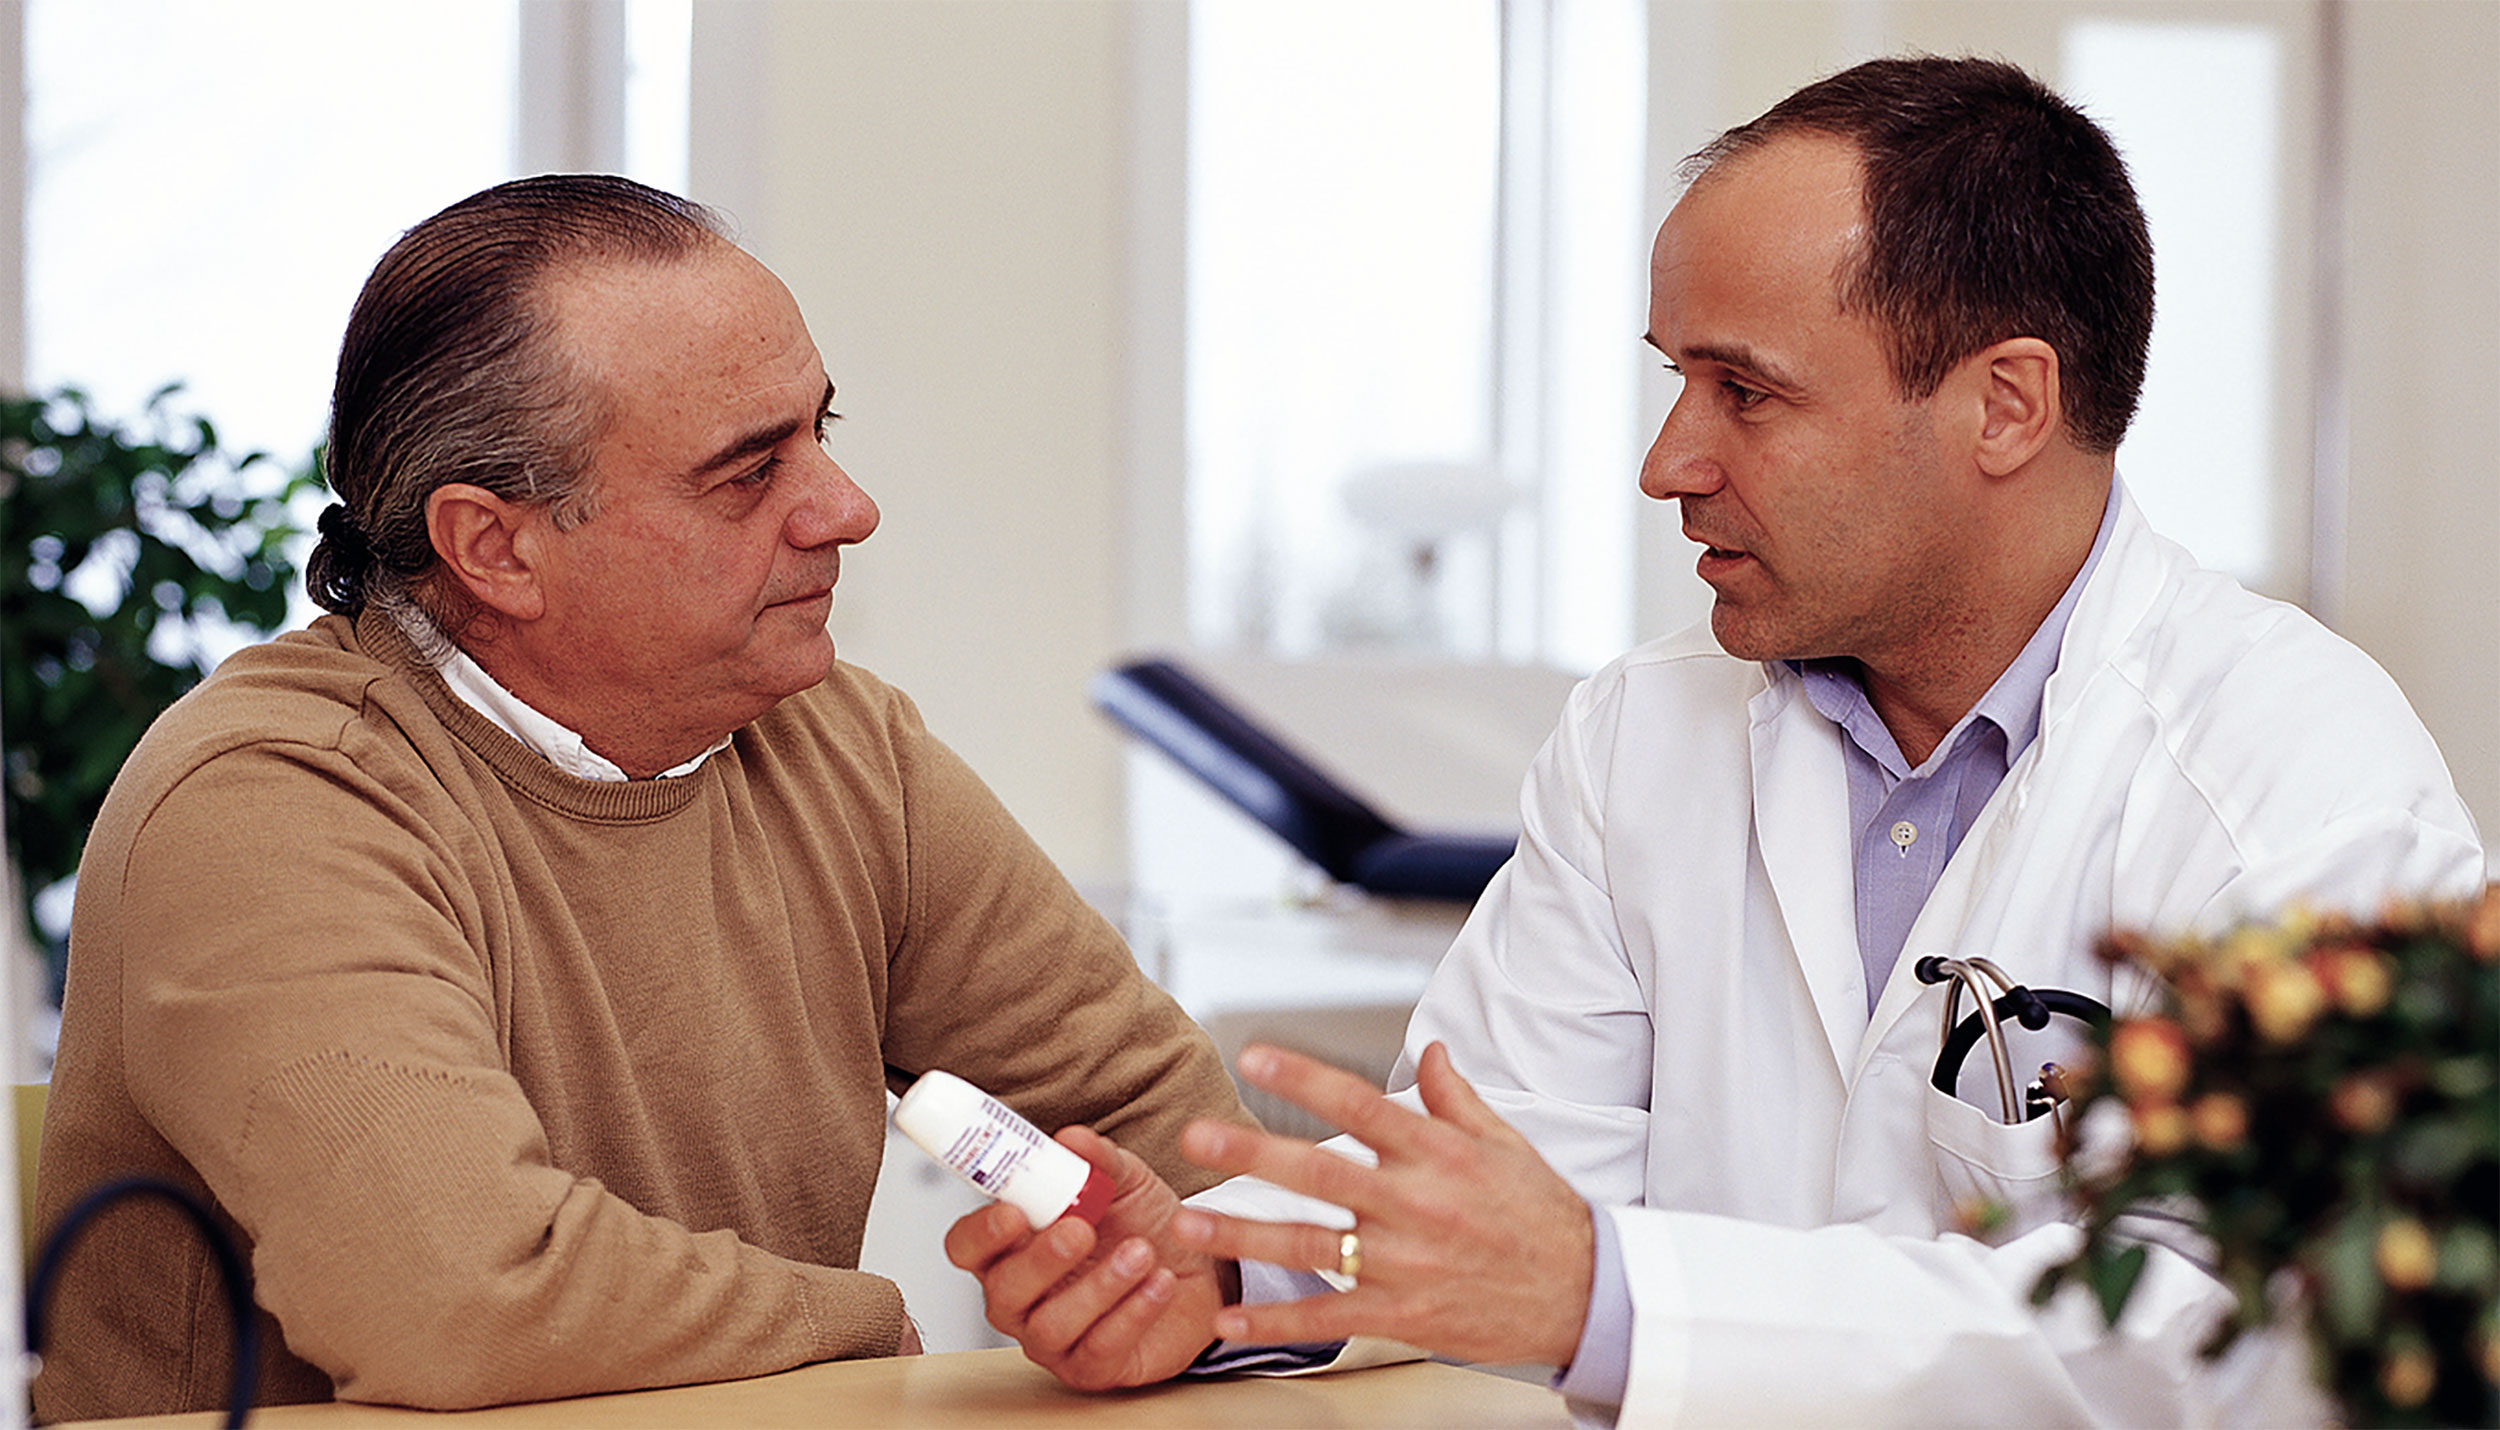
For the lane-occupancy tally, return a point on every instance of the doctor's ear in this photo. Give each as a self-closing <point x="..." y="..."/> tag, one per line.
<point x="2020" y="407"/>
<point x="487" y="546"/>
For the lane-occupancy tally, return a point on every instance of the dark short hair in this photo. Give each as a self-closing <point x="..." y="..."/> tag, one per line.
<point x="1994" y="209"/>
<point x="447" y="373"/>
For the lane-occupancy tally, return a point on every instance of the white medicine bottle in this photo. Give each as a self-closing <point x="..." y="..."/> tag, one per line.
<point x="983" y="1141"/>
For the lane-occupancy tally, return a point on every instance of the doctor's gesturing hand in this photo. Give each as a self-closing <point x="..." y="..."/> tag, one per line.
<point x="1465" y="1242"/>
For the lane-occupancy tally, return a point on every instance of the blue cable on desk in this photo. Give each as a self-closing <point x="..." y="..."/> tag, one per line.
<point x="230" y="1269"/>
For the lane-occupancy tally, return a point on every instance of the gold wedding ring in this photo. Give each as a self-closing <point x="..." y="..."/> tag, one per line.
<point x="1349" y="1255"/>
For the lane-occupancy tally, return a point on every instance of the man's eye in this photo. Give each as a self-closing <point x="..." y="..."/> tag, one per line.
<point x="1742" y="396"/>
<point x="760" y="477"/>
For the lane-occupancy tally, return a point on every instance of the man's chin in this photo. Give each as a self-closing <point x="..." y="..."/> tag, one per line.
<point x="1746" y="635"/>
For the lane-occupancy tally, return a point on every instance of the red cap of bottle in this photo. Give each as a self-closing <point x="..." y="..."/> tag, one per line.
<point x="1092" y="1199"/>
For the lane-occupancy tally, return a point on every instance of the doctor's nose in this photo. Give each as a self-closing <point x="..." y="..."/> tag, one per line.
<point x="1679" y="463"/>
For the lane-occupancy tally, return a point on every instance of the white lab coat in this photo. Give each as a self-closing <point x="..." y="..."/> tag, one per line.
<point x="1663" y="991"/>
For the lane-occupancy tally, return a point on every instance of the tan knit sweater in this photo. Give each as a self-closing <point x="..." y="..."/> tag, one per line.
<point x="520" y="1086"/>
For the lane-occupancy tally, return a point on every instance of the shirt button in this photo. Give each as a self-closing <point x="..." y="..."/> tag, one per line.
<point x="1904" y="835"/>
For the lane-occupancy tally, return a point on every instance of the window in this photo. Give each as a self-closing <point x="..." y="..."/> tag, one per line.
<point x="2196" y="110"/>
<point x="1415" y="272"/>
<point x="207" y="186"/>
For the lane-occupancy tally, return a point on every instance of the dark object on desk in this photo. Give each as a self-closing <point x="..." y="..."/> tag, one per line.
<point x="236" y="1277"/>
<point x="1165" y="706"/>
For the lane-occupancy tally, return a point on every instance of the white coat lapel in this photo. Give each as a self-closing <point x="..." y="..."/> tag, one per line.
<point x="1801" y="817"/>
<point x="2112" y="603"/>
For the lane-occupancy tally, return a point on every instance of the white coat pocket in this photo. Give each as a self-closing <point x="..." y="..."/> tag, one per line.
<point x="1992" y="1179"/>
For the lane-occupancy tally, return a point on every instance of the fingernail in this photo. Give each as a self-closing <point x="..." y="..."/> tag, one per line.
<point x="1257" y="1062"/>
<point x="1132" y="1258"/>
<point x="1190" y="1227"/>
<point x="1231" y="1325"/>
<point x="1068" y="1237"/>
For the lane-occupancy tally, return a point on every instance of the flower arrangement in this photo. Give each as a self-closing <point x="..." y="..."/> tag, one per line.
<point x="2323" y="1096"/>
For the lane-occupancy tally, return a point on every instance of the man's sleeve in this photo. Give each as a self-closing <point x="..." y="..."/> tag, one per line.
<point x="1006" y="977"/>
<point x="307" y="1022"/>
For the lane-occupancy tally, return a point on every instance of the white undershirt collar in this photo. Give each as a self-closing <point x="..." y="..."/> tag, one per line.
<point x="544" y="736"/>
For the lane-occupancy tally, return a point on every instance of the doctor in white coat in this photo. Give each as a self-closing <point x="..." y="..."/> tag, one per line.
<point x="1672" y="1128"/>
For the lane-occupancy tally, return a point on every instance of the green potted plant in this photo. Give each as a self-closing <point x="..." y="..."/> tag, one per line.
<point x="117" y="543"/>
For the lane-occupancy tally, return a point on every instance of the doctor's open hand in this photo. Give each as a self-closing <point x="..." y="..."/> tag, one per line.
<point x="1469" y="1244"/>
<point x="1104" y="1306"/>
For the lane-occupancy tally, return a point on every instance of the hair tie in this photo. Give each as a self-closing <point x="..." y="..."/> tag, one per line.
<point x="338" y="527"/>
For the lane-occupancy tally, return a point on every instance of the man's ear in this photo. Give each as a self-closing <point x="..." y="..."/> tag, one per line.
<point x="2021" y="408"/>
<point x="487" y="545"/>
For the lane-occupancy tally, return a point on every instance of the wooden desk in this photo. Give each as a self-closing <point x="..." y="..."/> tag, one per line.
<point x="977" y="1388"/>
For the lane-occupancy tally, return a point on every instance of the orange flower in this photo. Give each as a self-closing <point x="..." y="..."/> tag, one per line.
<point x="2482" y="930"/>
<point x="2161" y="1128"/>
<point x="2358" y="977"/>
<point x="1981" y="1218"/>
<point x="2149" y="1057"/>
<point x="2203" y="1007"/>
<point x="2407" y="1257"/>
<point x="2362" y="1102"/>
<point x="2408" y="1376"/>
<point x="2284" y="999"/>
<point x="2220" y="1120"/>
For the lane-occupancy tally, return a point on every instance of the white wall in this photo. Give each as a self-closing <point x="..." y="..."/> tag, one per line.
<point x="982" y="231"/>
<point x="942" y="186"/>
<point x="2422" y="300"/>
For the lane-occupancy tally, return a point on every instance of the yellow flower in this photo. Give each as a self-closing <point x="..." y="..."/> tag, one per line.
<point x="2254" y="946"/>
<point x="2284" y="999"/>
<point x="2408" y="1376"/>
<point x="2407" y="1257"/>
<point x="2358" y="977"/>
<point x="2161" y="1128"/>
<point x="2149" y="1058"/>
<point x="2220" y="1120"/>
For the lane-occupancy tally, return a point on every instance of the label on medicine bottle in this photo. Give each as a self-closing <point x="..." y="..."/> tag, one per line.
<point x="983" y="1141"/>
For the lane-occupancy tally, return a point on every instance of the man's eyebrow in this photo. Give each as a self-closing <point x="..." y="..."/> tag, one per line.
<point x="1742" y="359"/>
<point x="759" y="440"/>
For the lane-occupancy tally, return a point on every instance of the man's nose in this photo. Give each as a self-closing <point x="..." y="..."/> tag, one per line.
<point x="1680" y="462"/>
<point x="834" y="510"/>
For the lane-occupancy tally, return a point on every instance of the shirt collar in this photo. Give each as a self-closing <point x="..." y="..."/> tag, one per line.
<point x="540" y="733"/>
<point x="2012" y="704"/>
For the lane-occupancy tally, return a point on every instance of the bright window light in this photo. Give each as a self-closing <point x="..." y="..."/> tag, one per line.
<point x="1343" y="162"/>
<point x="659" y="49"/>
<point x="2196" y="110"/>
<point x="208" y="186"/>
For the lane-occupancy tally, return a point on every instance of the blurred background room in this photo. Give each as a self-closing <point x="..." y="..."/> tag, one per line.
<point x="1295" y="340"/>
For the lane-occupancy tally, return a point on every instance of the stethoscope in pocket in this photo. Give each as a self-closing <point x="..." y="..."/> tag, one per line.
<point x="2030" y="1008"/>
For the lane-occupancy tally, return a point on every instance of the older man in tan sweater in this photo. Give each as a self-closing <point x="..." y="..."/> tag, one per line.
<point x="518" y="958"/>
